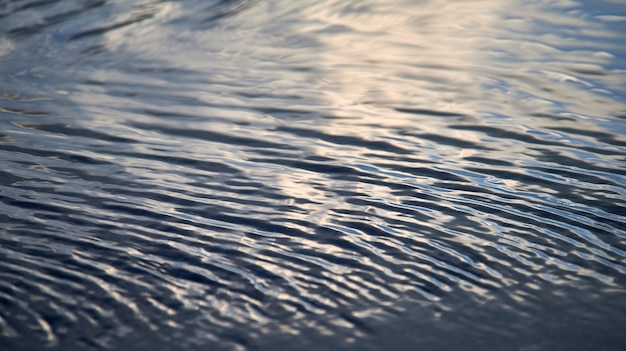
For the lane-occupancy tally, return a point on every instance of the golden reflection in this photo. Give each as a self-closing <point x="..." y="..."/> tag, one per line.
<point x="463" y="57"/>
<point x="458" y="56"/>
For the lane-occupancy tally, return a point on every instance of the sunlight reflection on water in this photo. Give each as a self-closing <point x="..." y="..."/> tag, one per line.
<point x="329" y="174"/>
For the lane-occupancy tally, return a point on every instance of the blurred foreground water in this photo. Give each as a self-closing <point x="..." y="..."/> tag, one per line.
<point x="312" y="175"/>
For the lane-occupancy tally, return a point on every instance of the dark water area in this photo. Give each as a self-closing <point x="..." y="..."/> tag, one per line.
<point x="312" y="175"/>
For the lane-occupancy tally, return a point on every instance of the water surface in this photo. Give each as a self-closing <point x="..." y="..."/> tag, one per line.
<point x="312" y="175"/>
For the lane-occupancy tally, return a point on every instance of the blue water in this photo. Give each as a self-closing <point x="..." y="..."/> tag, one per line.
<point x="312" y="175"/>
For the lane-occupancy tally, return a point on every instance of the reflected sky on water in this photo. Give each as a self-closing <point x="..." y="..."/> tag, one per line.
<point x="265" y="175"/>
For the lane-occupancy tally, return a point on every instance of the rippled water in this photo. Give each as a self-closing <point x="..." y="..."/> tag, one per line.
<point x="312" y="175"/>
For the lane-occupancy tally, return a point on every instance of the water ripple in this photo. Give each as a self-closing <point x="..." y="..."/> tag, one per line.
<point x="245" y="175"/>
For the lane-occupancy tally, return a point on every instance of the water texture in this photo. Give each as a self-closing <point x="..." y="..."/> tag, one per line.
<point x="312" y="175"/>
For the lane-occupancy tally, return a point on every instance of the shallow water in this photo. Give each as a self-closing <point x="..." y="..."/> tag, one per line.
<point x="322" y="175"/>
